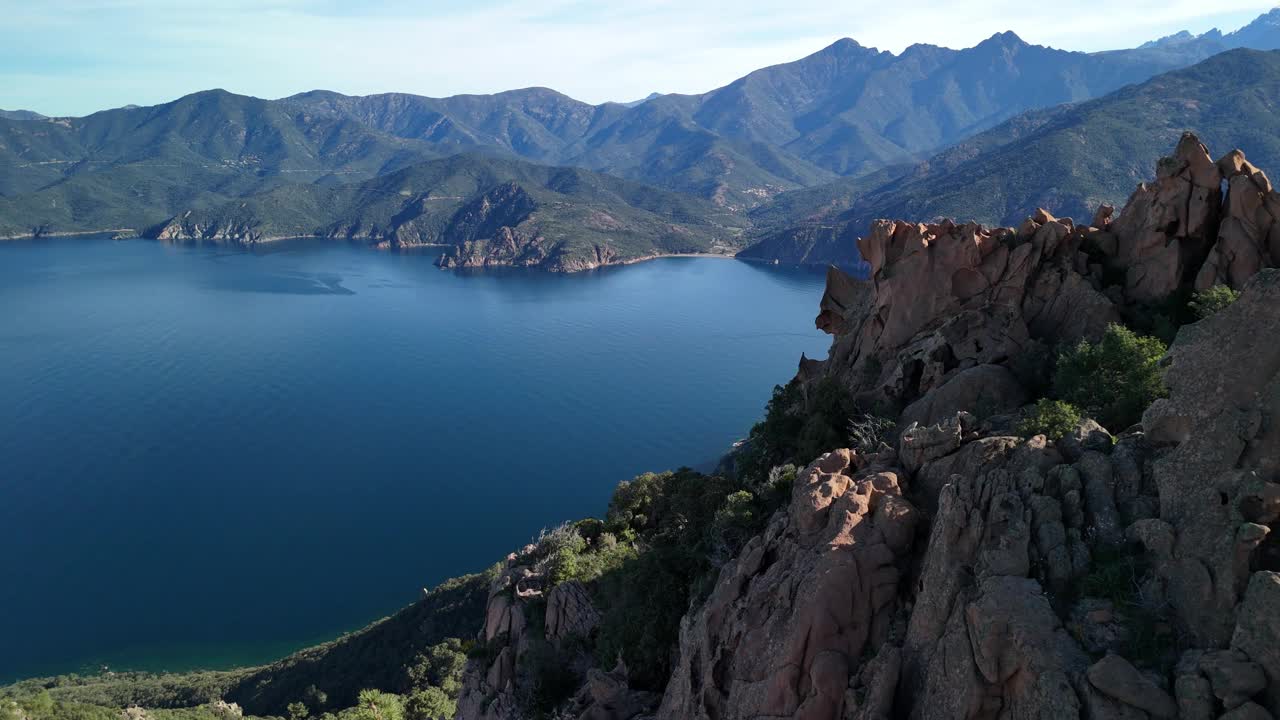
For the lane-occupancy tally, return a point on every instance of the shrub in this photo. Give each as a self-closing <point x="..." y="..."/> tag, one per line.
<point x="1118" y="576"/>
<point x="867" y="432"/>
<point x="298" y="711"/>
<point x="1114" y="380"/>
<point x="1052" y="418"/>
<point x="430" y="704"/>
<point x="440" y="666"/>
<point x="799" y="425"/>
<point x="377" y="705"/>
<point x="1208" y="302"/>
<point x="682" y="521"/>
<point x="632" y="505"/>
<point x="775" y="490"/>
<point x="733" y="526"/>
<point x="552" y="679"/>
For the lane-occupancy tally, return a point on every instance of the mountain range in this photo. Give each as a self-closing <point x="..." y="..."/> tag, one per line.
<point x="793" y="150"/>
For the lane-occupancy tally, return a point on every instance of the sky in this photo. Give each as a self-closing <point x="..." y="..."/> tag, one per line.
<point x="73" y="57"/>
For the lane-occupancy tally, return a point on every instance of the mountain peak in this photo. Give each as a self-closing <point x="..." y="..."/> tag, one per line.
<point x="1261" y="34"/>
<point x="845" y="46"/>
<point x="1006" y="39"/>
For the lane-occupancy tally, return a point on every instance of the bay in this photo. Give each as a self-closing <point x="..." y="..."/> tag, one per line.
<point x="210" y="457"/>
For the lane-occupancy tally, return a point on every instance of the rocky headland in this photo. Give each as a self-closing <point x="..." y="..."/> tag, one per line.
<point x="965" y="569"/>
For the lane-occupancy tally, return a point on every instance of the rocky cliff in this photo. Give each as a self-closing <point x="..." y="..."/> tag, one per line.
<point x="963" y="569"/>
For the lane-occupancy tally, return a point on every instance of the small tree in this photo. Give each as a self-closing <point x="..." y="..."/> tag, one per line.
<point x="377" y="705"/>
<point x="1208" y="302"/>
<point x="1114" y="380"/>
<point x="431" y="704"/>
<point x="297" y="711"/>
<point x="440" y="667"/>
<point x="1052" y="418"/>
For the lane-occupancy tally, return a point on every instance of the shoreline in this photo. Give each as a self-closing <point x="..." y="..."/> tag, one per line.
<point x="65" y="233"/>
<point x="381" y="247"/>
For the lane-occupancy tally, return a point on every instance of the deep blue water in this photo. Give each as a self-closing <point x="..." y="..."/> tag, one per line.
<point x="212" y="457"/>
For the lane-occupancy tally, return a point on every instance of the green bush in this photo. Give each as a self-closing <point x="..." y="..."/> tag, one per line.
<point x="1052" y="418"/>
<point x="440" y="666"/>
<point x="683" y="523"/>
<point x="551" y="678"/>
<point x="1208" y="302"/>
<point x="797" y="428"/>
<point x="734" y="524"/>
<point x="430" y="704"/>
<point x="775" y="490"/>
<point x="298" y="711"/>
<point x="1114" y="380"/>
<point x="377" y="705"/>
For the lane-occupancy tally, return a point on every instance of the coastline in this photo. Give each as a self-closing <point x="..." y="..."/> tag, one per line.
<point x="383" y="246"/>
<point x="65" y="233"/>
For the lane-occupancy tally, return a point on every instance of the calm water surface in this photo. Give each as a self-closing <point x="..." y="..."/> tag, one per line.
<point x="211" y="457"/>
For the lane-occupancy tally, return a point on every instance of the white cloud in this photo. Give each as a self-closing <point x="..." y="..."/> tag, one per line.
<point x="74" y="56"/>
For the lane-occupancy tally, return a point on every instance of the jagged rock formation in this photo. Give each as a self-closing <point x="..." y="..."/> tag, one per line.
<point x="968" y="572"/>
<point x="782" y="631"/>
<point x="948" y="298"/>
<point x="944" y="298"/>
<point x="1009" y="609"/>
<point x="522" y="613"/>
<point x="821" y="617"/>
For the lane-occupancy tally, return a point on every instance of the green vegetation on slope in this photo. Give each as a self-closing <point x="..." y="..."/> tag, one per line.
<point x="404" y="653"/>
<point x="491" y="211"/>
<point x="1114" y="380"/>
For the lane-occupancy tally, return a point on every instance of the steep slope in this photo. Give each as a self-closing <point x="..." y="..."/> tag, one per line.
<point x="489" y="211"/>
<point x="132" y="167"/>
<point x="1085" y="155"/>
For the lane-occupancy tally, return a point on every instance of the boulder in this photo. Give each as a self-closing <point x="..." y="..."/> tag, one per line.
<point x="1192" y="690"/>
<point x="1116" y="677"/>
<point x="1247" y="711"/>
<point x="920" y="445"/>
<point x="984" y="390"/>
<point x="1257" y="632"/>
<point x="608" y="696"/>
<point x="1088" y="435"/>
<point x="1234" y="677"/>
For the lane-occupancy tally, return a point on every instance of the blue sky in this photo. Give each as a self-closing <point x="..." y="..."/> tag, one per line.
<point x="71" y="57"/>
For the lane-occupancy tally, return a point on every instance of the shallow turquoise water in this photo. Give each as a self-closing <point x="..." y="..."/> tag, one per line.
<point x="210" y="457"/>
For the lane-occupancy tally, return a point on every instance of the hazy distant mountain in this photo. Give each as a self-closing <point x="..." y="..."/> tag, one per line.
<point x="1261" y="34"/>
<point x="641" y="101"/>
<point x="20" y="115"/>
<point x="845" y="111"/>
<point x="1067" y="160"/>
